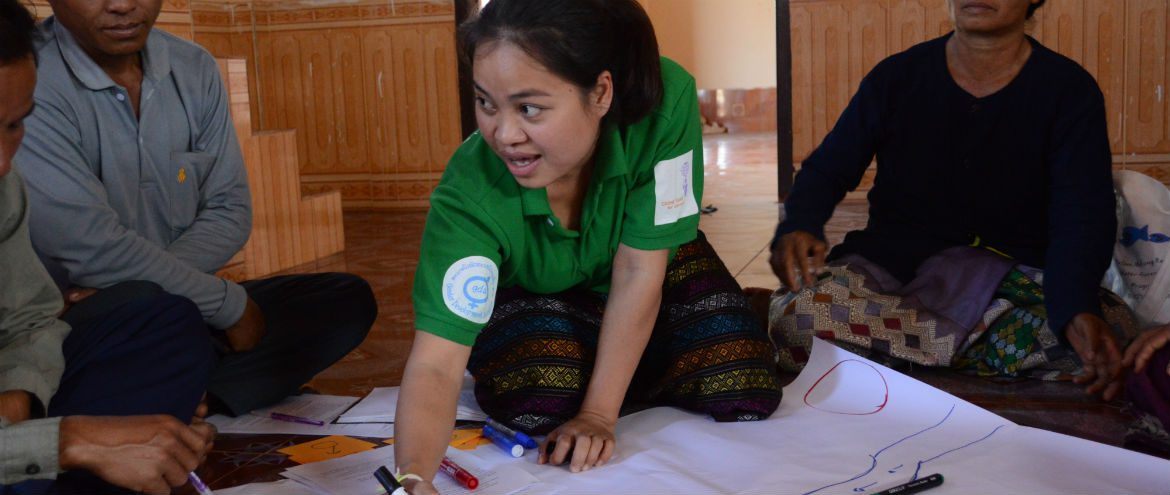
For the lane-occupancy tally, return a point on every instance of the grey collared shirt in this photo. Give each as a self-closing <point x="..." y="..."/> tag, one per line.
<point x="30" y="340"/>
<point x="161" y="197"/>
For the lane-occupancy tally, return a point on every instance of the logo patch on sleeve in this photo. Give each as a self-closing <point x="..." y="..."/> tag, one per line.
<point x="674" y="189"/>
<point x="469" y="288"/>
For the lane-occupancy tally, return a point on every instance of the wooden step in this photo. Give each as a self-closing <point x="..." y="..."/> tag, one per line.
<point x="288" y="229"/>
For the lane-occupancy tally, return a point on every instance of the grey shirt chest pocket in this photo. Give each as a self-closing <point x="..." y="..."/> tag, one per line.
<point x="187" y="172"/>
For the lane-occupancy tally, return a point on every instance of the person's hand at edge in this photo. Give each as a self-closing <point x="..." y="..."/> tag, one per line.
<point x="149" y="454"/>
<point x="246" y="333"/>
<point x="1142" y="349"/>
<point x="798" y="258"/>
<point x="15" y="405"/>
<point x="1093" y="340"/>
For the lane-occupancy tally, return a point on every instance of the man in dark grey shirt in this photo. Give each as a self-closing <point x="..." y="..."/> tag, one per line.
<point x="73" y="403"/>
<point x="135" y="174"/>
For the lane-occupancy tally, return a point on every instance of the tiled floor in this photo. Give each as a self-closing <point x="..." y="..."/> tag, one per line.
<point x="383" y="247"/>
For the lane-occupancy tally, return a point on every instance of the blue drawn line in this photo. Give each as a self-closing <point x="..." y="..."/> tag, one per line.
<point x="895" y="468"/>
<point x="874" y="457"/>
<point x="862" y="488"/>
<point x="985" y="437"/>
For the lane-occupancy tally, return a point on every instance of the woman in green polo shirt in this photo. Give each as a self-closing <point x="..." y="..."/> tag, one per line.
<point x="561" y="262"/>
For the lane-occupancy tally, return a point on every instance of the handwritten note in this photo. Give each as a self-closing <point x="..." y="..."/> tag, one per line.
<point x="462" y="439"/>
<point x="325" y="448"/>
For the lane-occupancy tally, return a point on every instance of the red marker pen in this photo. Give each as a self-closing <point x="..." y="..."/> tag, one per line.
<point x="461" y="475"/>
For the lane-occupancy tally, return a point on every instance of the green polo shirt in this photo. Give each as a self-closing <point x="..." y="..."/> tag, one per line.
<point x="484" y="231"/>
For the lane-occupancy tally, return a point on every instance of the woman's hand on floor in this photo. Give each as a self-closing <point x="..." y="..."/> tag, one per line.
<point x="798" y="258"/>
<point x="1093" y="340"/>
<point x="1142" y="349"/>
<point x="589" y="436"/>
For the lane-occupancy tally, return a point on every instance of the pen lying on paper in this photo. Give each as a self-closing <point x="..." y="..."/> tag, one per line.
<point x="293" y="419"/>
<point x="461" y="475"/>
<point x="915" y="486"/>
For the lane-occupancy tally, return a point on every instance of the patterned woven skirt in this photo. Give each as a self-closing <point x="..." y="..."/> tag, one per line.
<point x="967" y="309"/>
<point x="708" y="353"/>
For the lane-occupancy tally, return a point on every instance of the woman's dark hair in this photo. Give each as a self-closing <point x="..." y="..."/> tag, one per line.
<point x="17" y="29"/>
<point x="1032" y="8"/>
<point x="577" y="40"/>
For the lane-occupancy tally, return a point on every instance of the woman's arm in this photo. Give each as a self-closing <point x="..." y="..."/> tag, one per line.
<point x="426" y="406"/>
<point x="634" y="298"/>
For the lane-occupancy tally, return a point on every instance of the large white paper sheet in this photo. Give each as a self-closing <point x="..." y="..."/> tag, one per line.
<point x="850" y="426"/>
<point x="354" y="475"/>
<point x="381" y="403"/>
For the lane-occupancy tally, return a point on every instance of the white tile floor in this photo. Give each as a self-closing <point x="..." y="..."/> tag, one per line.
<point x="741" y="179"/>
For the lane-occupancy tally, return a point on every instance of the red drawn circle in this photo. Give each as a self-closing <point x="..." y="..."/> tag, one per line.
<point x="864" y="410"/>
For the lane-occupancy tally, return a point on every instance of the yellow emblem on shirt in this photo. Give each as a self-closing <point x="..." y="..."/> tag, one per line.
<point x="182" y="175"/>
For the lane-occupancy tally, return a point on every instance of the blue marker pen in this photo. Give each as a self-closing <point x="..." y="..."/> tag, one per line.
<point x="524" y="440"/>
<point x="502" y="441"/>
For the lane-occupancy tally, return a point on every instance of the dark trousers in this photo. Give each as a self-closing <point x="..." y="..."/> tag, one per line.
<point x="147" y="353"/>
<point x="311" y="321"/>
<point x="132" y="350"/>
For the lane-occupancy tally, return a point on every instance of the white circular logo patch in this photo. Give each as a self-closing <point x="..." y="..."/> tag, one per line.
<point x="469" y="288"/>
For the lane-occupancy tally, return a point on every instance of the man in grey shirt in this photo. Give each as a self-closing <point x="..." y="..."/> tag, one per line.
<point x="135" y="174"/>
<point x="150" y="357"/>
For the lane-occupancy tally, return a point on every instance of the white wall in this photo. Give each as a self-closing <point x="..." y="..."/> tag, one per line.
<point x="726" y="44"/>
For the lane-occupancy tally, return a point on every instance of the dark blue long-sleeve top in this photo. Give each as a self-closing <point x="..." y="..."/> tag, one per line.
<point x="1026" y="170"/>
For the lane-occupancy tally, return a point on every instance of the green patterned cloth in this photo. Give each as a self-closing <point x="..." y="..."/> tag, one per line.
<point x="1014" y="339"/>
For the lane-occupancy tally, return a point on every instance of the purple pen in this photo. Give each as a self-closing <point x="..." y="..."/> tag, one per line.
<point x="295" y="419"/>
<point x="198" y="484"/>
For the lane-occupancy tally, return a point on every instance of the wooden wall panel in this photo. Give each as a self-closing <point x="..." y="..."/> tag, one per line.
<point x="1104" y="58"/>
<point x="442" y="83"/>
<point x="218" y="43"/>
<point x="824" y="80"/>
<point x="318" y="142"/>
<point x="349" y="101"/>
<point x="409" y="88"/>
<point x="915" y="21"/>
<point x="1060" y="27"/>
<point x="282" y="72"/>
<point x="285" y="225"/>
<point x="371" y="85"/>
<point x="1147" y="128"/>
<point x="378" y="61"/>
<point x="868" y="38"/>
<point x="804" y="139"/>
<point x="835" y="44"/>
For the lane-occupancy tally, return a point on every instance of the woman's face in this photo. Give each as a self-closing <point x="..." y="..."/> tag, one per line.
<point x="989" y="16"/>
<point x="543" y="127"/>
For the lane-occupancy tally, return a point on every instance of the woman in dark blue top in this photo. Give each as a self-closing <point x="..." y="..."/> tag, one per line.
<point x="993" y="188"/>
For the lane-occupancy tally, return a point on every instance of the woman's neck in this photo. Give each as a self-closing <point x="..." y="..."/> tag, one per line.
<point x="567" y="196"/>
<point x="983" y="64"/>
